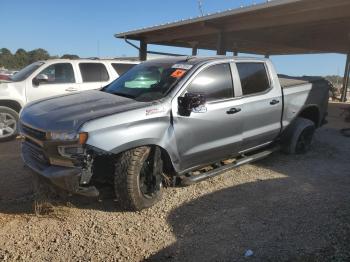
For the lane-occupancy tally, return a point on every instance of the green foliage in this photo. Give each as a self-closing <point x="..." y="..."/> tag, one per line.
<point x="6" y="58"/>
<point x="38" y="54"/>
<point x="23" y="58"/>
<point x="68" y="56"/>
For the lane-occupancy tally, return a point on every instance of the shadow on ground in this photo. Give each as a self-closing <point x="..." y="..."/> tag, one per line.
<point x="302" y="217"/>
<point x="278" y="220"/>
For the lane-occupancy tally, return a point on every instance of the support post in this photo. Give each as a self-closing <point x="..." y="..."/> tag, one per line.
<point x="235" y="53"/>
<point x="220" y="46"/>
<point x="346" y="79"/>
<point x="194" y="50"/>
<point x="143" y="50"/>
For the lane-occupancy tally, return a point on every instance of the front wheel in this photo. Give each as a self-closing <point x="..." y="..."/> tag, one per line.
<point x="8" y="124"/>
<point x="138" y="178"/>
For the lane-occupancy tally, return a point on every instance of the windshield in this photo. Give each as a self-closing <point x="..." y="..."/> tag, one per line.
<point x="25" y="72"/>
<point x="147" y="82"/>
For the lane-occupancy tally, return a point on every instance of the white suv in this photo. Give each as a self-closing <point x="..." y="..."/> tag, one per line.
<point x="44" y="79"/>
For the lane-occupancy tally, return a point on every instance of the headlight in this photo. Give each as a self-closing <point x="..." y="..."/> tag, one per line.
<point x="81" y="138"/>
<point x="63" y="136"/>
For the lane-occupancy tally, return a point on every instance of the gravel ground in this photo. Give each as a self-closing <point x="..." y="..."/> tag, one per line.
<point x="283" y="208"/>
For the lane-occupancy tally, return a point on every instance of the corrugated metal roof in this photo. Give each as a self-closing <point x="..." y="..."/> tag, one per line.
<point x="207" y="17"/>
<point x="275" y="27"/>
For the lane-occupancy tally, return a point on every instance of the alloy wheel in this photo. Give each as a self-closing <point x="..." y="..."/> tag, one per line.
<point x="8" y="125"/>
<point x="304" y="141"/>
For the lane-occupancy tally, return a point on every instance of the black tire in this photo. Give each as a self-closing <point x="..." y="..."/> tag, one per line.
<point x="299" y="136"/>
<point x="9" y="114"/>
<point x="138" y="178"/>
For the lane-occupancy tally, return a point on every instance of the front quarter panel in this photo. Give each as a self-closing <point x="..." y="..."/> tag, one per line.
<point x="123" y="131"/>
<point x="14" y="91"/>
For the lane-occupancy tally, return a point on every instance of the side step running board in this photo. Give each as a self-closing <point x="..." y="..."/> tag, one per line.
<point x="190" y="180"/>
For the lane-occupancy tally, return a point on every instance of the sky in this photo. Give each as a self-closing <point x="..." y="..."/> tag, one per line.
<point x="87" y="28"/>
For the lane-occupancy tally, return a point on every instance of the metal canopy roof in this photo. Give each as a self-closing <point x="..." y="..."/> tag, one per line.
<point x="274" y="28"/>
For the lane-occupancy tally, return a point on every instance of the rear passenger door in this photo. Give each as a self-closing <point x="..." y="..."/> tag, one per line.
<point x="261" y="105"/>
<point x="94" y="75"/>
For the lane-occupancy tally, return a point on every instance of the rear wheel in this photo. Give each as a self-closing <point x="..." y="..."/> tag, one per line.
<point x="138" y="178"/>
<point x="8" y="124"/>
<point x="299" y="136"/>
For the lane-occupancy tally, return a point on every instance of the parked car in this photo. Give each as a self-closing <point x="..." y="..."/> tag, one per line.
<point x="165" y="119"/>
<point x="4" y="77"/>
<point x="5" y="74"/>
<point x="44" y="79"/>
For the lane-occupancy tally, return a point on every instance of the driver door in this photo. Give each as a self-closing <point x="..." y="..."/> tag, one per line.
<point x="56" y="79"/>
<point x="213" y="132"/>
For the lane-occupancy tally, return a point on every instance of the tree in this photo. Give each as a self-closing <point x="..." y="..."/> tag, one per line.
<point x="38" y="54"/>
<point x="21" y="58"/>
<point x="69" y="56"/>
<point x="6" y="58"/>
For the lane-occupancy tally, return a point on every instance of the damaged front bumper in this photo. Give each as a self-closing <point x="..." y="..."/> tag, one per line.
<point x="71" y="179"/>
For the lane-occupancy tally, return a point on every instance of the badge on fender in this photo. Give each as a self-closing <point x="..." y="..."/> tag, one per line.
<point x="154" y="110"/>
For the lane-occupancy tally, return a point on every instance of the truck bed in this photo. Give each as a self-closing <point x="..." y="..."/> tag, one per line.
<point x="302" y="92"/>
<point x="289" y="81"/>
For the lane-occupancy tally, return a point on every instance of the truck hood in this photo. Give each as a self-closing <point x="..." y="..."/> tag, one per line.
<point x="69" y="112"/>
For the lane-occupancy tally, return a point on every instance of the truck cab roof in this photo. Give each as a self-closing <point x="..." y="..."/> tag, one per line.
<point x="196" y="60"/>
<point x="88" y="60"/>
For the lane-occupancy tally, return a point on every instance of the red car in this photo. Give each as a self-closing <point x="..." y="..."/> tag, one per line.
<point x="4" y="77"/>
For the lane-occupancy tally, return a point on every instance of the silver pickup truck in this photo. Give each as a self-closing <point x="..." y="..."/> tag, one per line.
<point x="168" y="122"/>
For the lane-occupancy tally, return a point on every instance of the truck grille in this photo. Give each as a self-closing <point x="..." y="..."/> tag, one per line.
<point x="35" y="152"/>
<point x="34" y="133"/>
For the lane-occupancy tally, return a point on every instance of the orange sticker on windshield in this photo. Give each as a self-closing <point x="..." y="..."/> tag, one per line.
<point x="178" y="73"/>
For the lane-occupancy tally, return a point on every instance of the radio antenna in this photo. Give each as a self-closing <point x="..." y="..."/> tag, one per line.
<point x="200" y="7"/>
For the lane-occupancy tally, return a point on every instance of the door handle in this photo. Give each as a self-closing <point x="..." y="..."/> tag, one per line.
<point x="71" y="89"/>
<point x="233" y="111"/>
<point x="274" y="102"/>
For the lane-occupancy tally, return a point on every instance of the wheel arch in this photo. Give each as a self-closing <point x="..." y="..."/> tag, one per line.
<point x="14" y="105"/>
<point x="168" y="156"/>
<point x="311" y="112"/>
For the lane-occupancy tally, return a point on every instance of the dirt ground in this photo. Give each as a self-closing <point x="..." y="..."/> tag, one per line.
<point x="283" y="208"/>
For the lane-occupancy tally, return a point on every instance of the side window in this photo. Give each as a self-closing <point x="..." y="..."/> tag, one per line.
<point x="214" y="82"/>
<point x="61" y="73"/>
<point x="93" y="72"/>
<point x="122" y="68"/>
<point x="253" y="78"/>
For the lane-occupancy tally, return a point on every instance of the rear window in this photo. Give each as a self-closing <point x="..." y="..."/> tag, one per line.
<point x="122" y="68"/>
<point x="93" y="72"/>
<point x="253" y="78"/>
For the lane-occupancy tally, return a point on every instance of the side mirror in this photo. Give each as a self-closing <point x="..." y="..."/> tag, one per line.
<point x="189" y="102"/>
<point x="42" y="78"/>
